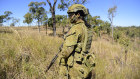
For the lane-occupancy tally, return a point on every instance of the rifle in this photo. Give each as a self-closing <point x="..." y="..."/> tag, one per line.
<point x="54" y="59"/>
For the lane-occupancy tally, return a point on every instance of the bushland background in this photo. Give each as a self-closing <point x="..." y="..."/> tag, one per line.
<point x="26" y="51"/>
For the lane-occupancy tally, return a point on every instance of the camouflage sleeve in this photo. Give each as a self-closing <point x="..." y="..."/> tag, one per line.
<point x="70" y="41"/>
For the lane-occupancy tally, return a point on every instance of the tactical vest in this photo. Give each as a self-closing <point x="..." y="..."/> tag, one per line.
<point x="88" y="58"/>
<point x="84" y="46"/>
<point x="81" y="54"/>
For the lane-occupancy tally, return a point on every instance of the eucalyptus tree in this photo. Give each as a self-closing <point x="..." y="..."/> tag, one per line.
<point x="59" y="19"/>
<point x="37" y="10"/>
<point x="44" y="21"/>
<point x="44" y="18"/>
<point x="50" y="23"/>
<point x="62" y="20"/>
<point x="111" y="15"/>
<point x="98" y="23"/>
<point x="106" y="27"/>
<point x="28" y="18"/>
<point x="5" y="17"/>
<point x="52" y="9"/>
<point x="95" y="20"/>
<point x="2" y="19"/>
<point x="14" y="21"/>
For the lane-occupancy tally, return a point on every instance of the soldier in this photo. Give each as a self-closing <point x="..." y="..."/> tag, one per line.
<point x="75" y="61"/>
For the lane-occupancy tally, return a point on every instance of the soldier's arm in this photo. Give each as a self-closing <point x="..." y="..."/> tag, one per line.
<point x="70" y="41"/>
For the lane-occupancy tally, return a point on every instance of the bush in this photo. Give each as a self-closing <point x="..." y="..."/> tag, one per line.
<point x="117" y="35"/>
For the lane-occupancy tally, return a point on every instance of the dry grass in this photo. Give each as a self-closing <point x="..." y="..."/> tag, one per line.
<point x="25" y="54"/>
<point x="113" y="62"/>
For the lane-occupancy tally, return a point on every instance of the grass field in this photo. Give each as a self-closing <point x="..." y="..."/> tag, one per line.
<point x="25" y="54"/>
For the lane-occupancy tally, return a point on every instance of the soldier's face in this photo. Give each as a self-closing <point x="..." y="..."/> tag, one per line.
<point x="70" y="14"/>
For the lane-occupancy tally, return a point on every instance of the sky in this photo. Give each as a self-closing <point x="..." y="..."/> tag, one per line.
<point x="128" y="11"/>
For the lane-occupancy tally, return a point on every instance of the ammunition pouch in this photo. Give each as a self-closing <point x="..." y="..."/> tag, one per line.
<point x="87" y="64"/>
<point x="89" y="60"/>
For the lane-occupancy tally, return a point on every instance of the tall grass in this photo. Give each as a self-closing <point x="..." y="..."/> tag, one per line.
<point x="113" y="63"/>
<point x="25" y="54"/>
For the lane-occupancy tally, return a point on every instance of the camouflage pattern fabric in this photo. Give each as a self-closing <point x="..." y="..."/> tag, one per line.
<point x="77" y="7"/>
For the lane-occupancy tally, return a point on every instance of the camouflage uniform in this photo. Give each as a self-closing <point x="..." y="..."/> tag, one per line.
<point x="75" y="59"/>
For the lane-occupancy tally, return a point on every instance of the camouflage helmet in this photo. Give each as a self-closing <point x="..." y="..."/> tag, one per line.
<point x="77" y="7"/>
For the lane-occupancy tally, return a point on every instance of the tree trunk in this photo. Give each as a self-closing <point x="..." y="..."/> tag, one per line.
<point x="28" y="26"/>
<point x="63" y="29"/>
<point x="54" y="23"/>
<point x="46" y="28"/>
<point x="52" y="8"/>
<point x="126" y="51"/>
<point x="38" y="26"/>
<point x="112" y="30"/>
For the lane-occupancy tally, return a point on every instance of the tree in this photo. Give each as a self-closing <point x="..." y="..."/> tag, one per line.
<point x="5" y="17"/>
<point x="100" y="25"/>
<point x="2" y="18"/>
<point x="14" y="21"/>
<point x="59" y="19"/>
<point x="95" y="20"/>
<point x="44" y="18"/>
<point x="107" y="27"/>
<point x="7" y="14"/>
<point x="52" y="9"/>
<point x="89" y="19"/>
<point x="111" y="15"/>
<point x="45" y="21"/>
<point x="62" y="20"/>
<point x="28" y="18"/>
<point x="36" y="8"/>
<point x="96" y="23"/>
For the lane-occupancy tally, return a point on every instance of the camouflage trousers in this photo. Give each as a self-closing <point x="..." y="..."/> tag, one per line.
<point x="77" y="71"/>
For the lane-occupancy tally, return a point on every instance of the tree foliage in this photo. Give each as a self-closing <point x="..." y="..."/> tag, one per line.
<point x="14" y="21"/>
<point x="37" y="10"/>
<point x="2" y="18"/>
<point x="28" y="18"/>
<point x="111" y="13"/>
<point x="98" y="24"/>
<point x="5" y="17"/>
<point x="44" y="20"/>
<point x="59" y="19"/>
<point x="50" y="23"/>
<point x="66" y="3"/>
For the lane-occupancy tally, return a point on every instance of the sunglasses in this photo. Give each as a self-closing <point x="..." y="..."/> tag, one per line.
<point x="70" y="14"/>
